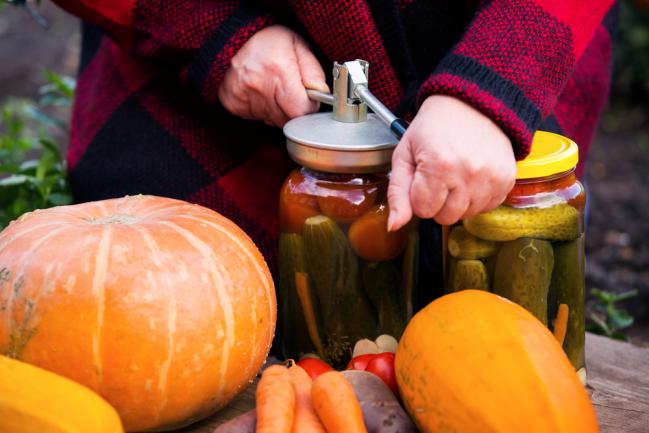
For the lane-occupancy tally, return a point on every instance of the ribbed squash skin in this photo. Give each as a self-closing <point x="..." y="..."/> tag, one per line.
<point x="35" y="400"/>
<point x="472" y="362"/>
<point x="164" y="308"/>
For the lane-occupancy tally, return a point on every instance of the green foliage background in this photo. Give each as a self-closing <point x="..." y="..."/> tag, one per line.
<point x="32" y="169"/>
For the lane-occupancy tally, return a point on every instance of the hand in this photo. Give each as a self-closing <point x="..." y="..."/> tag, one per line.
<point x="268" y="75"/>
<point x="453" y="162"/>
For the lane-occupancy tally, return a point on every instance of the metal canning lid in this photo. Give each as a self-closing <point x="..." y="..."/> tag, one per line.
<point x="319" y="142"/>
<point x="550" y="154"/>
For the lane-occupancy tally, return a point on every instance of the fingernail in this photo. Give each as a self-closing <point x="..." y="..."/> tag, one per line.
<point x="321" y="86"/>
<point x="391" y="222"/>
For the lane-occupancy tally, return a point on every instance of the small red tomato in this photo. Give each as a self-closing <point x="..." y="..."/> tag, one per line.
<point x="360" y="362"/>
<point x="382" y="365"/>
<point x="314" y="367"/>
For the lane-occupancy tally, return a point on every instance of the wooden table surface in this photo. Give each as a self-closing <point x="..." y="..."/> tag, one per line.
<point x="618" y="381"/>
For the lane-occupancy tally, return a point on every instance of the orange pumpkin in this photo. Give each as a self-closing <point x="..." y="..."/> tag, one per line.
<point x="473" y="362"/>
<point x="164" y="308"/>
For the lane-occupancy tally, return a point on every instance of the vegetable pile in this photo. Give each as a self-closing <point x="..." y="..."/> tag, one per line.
<point x="289" y="401"/>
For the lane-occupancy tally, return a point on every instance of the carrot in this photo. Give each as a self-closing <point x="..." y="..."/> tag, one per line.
<point x="275" y="398"/>
<point x="306" y="420"/>
<point x="304" y="294"/>
<point x="336" y="404"/>
<point x="561" y="323"/>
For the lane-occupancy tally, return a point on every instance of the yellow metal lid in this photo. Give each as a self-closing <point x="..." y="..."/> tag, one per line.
<point x="550" y="154"/>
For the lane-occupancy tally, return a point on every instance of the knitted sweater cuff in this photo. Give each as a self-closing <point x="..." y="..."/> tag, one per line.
<point x="481" y="87"/>
<point x="207" y="70"/>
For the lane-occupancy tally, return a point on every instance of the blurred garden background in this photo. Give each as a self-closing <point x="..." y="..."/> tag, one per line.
<point x="39" y="54"/>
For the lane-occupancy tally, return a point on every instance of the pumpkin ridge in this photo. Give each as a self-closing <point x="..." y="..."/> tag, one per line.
<point x="260" y="272"/>
<point x="224" y="302"/>
<point x="19" y="334"/>
<point x="99" y="290"/>
<point x="163" y="375"/>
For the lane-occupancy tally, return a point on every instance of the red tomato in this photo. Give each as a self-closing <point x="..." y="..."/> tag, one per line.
<point x="360" y="362"/>
<point x="314" y="367"/>
<point x="382" y="365"/>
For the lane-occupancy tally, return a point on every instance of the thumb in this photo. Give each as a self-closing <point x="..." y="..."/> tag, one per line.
<point x="403" y="169"/>
<point x="313" y="77"/>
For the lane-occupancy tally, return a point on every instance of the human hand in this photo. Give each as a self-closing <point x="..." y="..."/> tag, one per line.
<point x="453" y="162"/>
<point x="268" y="75"/>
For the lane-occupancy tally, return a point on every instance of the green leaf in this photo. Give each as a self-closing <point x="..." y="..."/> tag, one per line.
<point x="603" y="296"/>
<point x="46" y="162"/>
<point x="49" y="146"/>
<point x="620" y="319"/>
<point x="626" y="295"/>
<point x="598" y="326"/>
<point x="59" y="199"/>
<point x="29" y="165"/>
<point x="9" y="168"/>
<point x="18" y="179"/>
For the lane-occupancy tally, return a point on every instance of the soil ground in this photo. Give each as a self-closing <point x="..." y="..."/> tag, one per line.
<point x="618" y="172"/>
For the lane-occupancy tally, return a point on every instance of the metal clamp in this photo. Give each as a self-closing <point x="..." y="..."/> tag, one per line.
<point x="352" y="96"/>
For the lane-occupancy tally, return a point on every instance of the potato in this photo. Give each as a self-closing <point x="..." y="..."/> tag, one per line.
<point x="382" y="413"/>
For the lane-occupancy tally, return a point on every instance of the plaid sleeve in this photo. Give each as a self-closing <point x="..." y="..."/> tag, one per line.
<point x="514" y="60"/>
<point x="197" y="38"/>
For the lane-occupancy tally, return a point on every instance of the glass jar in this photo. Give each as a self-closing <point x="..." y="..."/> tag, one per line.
<point x="343" y="276"/>
<point x="531" y="248"/>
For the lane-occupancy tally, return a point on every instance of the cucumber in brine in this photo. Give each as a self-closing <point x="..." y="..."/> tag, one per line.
<point x="347" y="314"/>
<point x="568" y="288"/>
<point x="382" y="283"/>
<point x="523" y="273"/>
<point x="467" y="275"/>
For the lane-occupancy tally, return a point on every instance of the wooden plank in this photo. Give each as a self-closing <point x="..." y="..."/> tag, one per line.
<point x="618" y="381"/>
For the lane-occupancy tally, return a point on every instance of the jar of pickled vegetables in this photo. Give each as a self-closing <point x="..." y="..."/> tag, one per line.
<point x="531" y="248"/>
<point x="343" y="276"/>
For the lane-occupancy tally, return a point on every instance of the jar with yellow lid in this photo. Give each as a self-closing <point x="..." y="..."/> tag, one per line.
<point x="531" y="248"/>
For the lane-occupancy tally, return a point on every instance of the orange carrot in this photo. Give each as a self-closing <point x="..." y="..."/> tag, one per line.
<point x="561" y="323"/>
<point x="304" y="294"/>
<point x="275" y="398"/>
<point x="306" y="420"/>
<point x="336" y="404"/>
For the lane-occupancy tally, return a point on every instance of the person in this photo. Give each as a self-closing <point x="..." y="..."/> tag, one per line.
<point x="185" y="98"/>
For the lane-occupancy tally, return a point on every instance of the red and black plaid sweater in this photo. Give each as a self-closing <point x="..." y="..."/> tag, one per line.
<point x="147" y="118"/>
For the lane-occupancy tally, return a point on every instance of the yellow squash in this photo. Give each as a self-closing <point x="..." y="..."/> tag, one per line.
<point x="35" y="400"/>
<point x="473" y="362"/>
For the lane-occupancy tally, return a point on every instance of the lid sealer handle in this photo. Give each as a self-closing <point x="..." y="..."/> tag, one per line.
<point x="355" y="75"/>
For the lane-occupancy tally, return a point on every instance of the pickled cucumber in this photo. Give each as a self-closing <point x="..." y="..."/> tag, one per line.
<point x="463" y="245"/>
<point x="523" y="273"/>
<point x="291" y="261"/>
<point x="382" y="283"/>
<point x="468" y="274"/>
<point x="567" y="287"/>
<point x="347" y="314"/>
<point x="505" y="223"/>
<point x="490" y="265"/>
